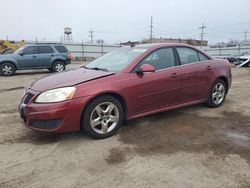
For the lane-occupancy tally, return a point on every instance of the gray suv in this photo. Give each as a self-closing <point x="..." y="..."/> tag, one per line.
<point x="37" y="56"/>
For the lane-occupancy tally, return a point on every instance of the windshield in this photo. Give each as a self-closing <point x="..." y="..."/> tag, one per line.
<point x="116" y="60"/>
<point x="18" y="50"/>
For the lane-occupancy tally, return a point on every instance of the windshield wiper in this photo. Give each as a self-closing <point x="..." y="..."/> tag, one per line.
<point x="96" y="68"/>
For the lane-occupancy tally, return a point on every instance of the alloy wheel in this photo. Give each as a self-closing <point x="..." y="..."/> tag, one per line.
<point x="218" y="93"/>
<point x="104" y="117"/>
<point x="7" y="70"/>
<point x="59" y="67"/>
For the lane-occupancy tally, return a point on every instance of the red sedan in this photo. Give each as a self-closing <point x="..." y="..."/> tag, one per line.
<point x="125" y="84"/>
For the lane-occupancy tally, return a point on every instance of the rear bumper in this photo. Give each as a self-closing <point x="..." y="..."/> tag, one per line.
<point x="55" y="117"/>
<point x="229" y="78"/>
<point x="67" y="61"/>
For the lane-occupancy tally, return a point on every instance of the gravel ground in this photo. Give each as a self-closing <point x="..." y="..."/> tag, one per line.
<point x="190" y="147"/>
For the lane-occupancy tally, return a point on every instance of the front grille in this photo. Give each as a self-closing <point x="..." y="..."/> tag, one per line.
<point x="27" y="98"/>
<point x="47" y="124"/>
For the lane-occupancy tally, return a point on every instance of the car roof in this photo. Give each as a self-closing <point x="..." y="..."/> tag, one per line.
<point x="44" y="44"/>
<point x="156" y="45"/>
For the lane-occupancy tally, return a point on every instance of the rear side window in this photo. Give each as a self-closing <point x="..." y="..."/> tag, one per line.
<point x="45" y="50"/>
<point x="61" y="49"/>
<point x="30" y="50"/>
<point x="187" y="55"/>
<point x="160" y="59"/>
<point x="202" y="57"/>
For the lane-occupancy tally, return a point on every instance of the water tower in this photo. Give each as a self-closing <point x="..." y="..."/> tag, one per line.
<point x="68" y="34"/>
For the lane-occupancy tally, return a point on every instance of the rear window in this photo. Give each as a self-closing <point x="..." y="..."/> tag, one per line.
<point x="187" y="55"/>
<point x="61" y="49"/>
<point x="45" y="49"/>
<point x="202" y="57"/>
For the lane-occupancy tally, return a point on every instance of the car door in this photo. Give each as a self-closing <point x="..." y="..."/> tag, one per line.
<point x="196" y="74"/>
<point x="28" y="58"/>
<point x="155" y="90"/>
<point x="46" y="53"/>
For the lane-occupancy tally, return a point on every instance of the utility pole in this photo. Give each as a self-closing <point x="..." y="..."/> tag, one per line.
<point x="151" y="30"/>
<point x="245" y="36"/>
<point x="82" y="49"/>
<point x="102" y="47"/>
<point x="202" y="34"/>
<point x="91" y="36"/>
<point x="7" y="38"/>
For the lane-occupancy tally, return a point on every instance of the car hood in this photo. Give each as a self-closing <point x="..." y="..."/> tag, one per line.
<point x="5" y="56"/>
<point x="245" y="57"/>
<point x="68" y="78"/>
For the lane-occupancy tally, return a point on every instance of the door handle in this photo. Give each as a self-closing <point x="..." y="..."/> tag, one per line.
<point x="209" y="67"/>
<point x="174" y="75"/>
<point x="34" y="56"/>
<point x="52" y="55"/>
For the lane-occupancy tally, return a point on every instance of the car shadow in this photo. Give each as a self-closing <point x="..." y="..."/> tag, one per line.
<point x="185" y="130"/>
<point x="37" y="138"/>
<point x="32" y="72"/>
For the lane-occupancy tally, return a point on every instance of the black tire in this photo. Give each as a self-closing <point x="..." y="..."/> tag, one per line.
<point x="212" y="98"/>
<point x="58" y="66"/>
<point x="90" y="110"/>
<point x="7" y="69"/>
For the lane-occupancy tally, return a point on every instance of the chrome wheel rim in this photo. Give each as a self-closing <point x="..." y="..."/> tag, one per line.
<point x="104" y="117"/>
<point x="7" y="69"/>
<point x="59" y="67"/>
<point x="218" y="93"/>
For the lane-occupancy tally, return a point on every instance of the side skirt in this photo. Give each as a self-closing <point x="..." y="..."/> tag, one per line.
<point x="167" y="108"/>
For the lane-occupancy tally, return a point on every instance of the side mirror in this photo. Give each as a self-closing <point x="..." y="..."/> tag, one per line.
<point x="145" y="68"/>
<point x="21" y="53"/>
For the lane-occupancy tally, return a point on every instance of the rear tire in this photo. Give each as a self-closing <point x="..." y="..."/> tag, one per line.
<point x="7" y="69"/>
<point x="217" y="94"/>
<point x="102" y="117"/>
<point x="58" y="66"/>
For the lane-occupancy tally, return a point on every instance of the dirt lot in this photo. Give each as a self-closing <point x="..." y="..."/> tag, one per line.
<point x="192" y="147"/>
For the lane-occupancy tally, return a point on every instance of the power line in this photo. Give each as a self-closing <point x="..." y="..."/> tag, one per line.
<point x="91" y="36"/>
<point x="151" y="29"/>
<point x="228" y="25"/>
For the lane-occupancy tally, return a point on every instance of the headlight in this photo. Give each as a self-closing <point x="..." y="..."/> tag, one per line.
<point x="56" y="95"/>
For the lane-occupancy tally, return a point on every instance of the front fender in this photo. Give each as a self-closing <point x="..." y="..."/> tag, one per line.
<point x="9" y="60"/>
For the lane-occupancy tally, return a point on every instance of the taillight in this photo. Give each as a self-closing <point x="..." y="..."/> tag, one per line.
<point x="69" y="56"/>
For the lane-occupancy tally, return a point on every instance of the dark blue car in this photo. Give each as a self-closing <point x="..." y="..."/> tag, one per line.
<point x="37" y="56"/>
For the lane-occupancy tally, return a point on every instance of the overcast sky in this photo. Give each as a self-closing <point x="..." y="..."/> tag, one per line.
<point x="122" y="20"/>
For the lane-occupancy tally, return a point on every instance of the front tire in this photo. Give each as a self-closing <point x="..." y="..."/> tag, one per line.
<point x="102" y="117"/>
<point x="7" y="69"/>
<point x="218" y="94"/>
<point x="58" y="66"/>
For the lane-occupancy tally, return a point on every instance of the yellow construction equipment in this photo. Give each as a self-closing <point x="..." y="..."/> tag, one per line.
<point x="10" y="46"/>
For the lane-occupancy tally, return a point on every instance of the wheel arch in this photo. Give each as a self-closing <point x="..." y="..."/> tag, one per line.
<point x="56" y="60"/>
<point x="9" y="61"/>
<point x="223" y="78"/>
<point x="117" y="96"/>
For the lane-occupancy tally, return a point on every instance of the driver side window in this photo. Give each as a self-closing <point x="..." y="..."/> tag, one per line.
<point x="160" y="59"/>
<point x="30" y="50"/>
